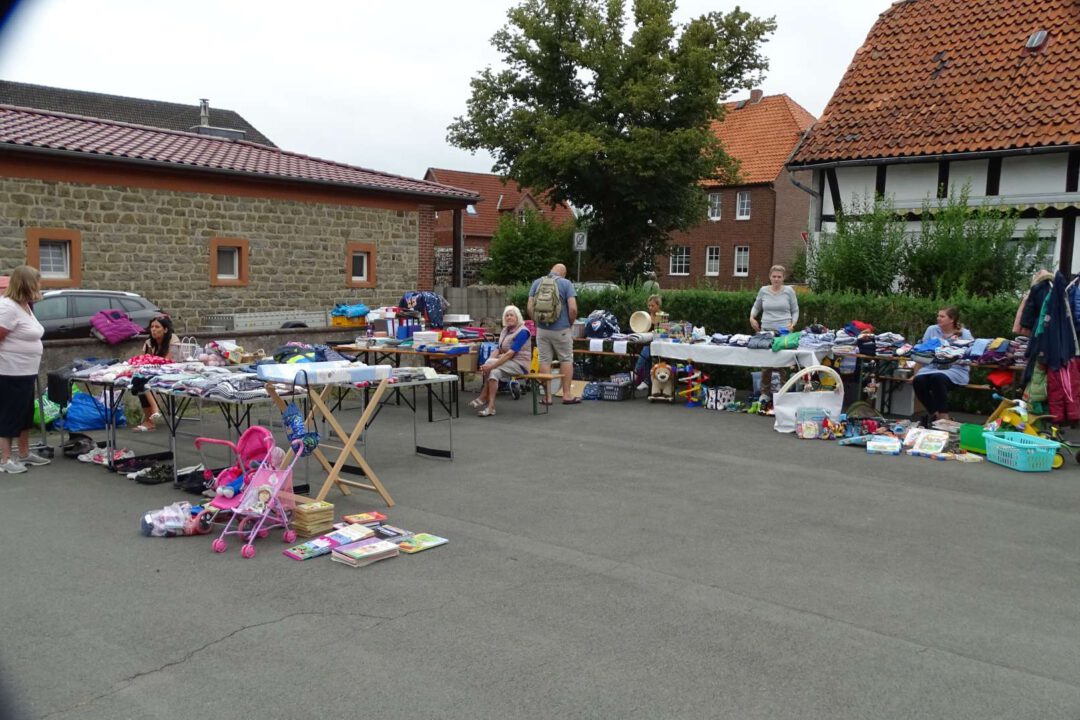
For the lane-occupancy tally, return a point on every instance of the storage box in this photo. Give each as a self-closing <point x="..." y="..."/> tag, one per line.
<point x="616" y="391"/>
<point x="971" y="438"/>
<point x="341" y="321"/>
<point x="425" y="337"/>
<point x="1021" y="451"/>
<point x="883" y="446"/>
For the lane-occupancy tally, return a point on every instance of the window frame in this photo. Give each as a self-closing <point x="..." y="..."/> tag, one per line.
<point x="367" y="249"/>
<point x="719" y="206"/>
<point x="739" y="205"/>
<point x="709" y="251"/>
<point x="735" y="264"/>
<point x="242" y="263"/>
<point x="73" y="238"/>
<point x="683" y="250"/>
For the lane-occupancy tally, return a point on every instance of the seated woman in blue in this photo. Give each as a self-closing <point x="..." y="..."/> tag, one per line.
<point x="932" y="383"/>
<point x="510" y="359"/>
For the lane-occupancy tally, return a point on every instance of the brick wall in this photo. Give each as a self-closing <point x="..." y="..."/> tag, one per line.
<point x="792" y="217"/>
<point x="728" y="233"/>
<point x="426" y="249"/>
<point x="474" y="261"/>
<point x="156" y="243"/>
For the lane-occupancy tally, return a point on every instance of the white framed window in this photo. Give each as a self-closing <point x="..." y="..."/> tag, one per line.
<point x="679" y="260"/>
<point x="712" y="261"/>
<point x="742" y="261"/>
<point x="359" y="261"/>
<point x="714" y="206"/>
<point x="54" y="259"/>
<point x="228" y="263"/>
<point x="360" y="265"/>
<point x="742" y="203"/>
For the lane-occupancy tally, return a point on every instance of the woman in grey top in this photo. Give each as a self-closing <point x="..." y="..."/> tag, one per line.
<point x="778" y="308"/>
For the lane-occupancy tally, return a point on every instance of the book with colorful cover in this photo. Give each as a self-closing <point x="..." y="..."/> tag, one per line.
<point x="324" y="544"/>
<point x="364" y="552"/>
<point x="364" y="518"/>
<point x="420" y="542"/>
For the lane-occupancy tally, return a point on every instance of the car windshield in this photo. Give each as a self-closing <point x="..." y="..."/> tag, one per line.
<point x="595" y="286"/>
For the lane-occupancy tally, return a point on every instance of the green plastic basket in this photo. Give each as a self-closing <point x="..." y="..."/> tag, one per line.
<point x="1020" y="451"/>
<point x="971" y="438"/>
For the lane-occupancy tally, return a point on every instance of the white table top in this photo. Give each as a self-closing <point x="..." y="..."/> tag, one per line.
<point x="710" y="354"/>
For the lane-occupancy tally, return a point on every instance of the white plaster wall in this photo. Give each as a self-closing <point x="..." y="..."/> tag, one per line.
<point x="1047" y="228"/>
<point x="908" y="185"/>
<point x="855" y="183"/>
<point x="1033" y="174"/>
<point x="970" y="172"/>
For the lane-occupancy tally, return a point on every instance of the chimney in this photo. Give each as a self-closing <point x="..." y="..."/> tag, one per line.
<point x="204" y="112"/>
<point x="755" y="96"/>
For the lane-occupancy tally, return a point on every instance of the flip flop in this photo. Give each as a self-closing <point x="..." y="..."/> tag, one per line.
<point x="474" y="404"/>
<point x="572" y="401"/>
<point x="143" y="428"/>
<point x="545" y="402"/>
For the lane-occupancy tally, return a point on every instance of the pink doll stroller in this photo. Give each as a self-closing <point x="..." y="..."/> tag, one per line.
<point x="254" y="446"/>
<point x="264" y="505"/>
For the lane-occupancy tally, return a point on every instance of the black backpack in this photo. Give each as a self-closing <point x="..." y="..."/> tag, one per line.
<point x="601" y="324"/>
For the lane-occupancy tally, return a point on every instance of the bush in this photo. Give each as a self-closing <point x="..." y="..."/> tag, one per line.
<point x="522" y="250"/>
<point x="865" y="254"/>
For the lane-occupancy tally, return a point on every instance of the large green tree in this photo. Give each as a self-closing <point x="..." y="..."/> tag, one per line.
<point x="526" y="248"/>
<point x="616" y="123"/>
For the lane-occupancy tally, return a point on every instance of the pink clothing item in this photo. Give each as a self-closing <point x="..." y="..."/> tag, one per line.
<point x="21" y="348"/>
<point x="1063" y="392"/>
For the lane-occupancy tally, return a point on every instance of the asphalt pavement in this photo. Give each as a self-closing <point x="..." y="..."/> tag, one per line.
<point x="609" y="560"/>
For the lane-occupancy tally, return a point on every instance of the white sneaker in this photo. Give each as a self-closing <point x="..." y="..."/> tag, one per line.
<point x="643" y="386"/>
<point x="12" y="467"/>
<point x="34" y="459"/>
<point x="95" y="453"/>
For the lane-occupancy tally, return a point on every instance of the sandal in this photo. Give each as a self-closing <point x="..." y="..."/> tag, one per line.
<point x="156" y="417"/>
<point x="476" y="403"/>
<point x="486" y="412"/>
<point x="571" y="401"/>
<point x="545" y="402"/>
<point x="143" y="428"/>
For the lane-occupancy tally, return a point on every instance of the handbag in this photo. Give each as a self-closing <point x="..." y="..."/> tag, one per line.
<point x="188" y="349"/>
<point x="788" y="401"/>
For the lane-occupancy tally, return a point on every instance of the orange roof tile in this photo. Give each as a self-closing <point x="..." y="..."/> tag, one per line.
<point x="496" y="196"/>
<point x="761" y="135"/>
<point x="953" y="76"/>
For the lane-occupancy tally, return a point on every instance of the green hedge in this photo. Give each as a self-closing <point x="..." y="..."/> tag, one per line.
<point x="730" y="311"/>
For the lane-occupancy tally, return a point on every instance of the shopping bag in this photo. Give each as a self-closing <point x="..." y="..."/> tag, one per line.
<point x="787" y="402"/>
<point x="52" y="411"/>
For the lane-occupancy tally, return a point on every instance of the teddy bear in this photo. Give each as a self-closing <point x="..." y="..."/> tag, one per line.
<point x="663" y="382"/>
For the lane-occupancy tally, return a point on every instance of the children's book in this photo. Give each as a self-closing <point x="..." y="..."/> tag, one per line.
<point x="324" y="544"/>
<point x="364" y="552"/>
<point x="420" y="542"/>
<point x="364" y="518"/>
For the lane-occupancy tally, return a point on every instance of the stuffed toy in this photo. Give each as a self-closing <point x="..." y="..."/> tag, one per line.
<point x="230" y="489"/>
<point x="663" y="382"/>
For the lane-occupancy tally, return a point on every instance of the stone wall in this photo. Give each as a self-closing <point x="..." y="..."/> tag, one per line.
<point x="156" y="243"/>
<point x="475" y="258"/>
<point x="483" y="303"/>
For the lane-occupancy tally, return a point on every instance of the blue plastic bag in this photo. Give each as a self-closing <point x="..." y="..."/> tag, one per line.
<point x="86" y="412"/>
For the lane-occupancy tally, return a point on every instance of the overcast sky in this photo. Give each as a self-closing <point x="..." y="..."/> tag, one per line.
<point x="373" y="83"/>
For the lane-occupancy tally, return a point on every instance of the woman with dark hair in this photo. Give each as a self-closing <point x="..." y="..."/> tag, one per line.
<point x="162" y="343"/>
<point x="20" y="361"/>
<point x="933" y="382"/>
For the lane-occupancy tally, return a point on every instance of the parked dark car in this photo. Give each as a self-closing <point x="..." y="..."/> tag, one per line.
<point x="67" y="313"/>
<point x="595" y="286"/>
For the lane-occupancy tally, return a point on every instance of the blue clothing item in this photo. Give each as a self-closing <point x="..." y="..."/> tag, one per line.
<point x="521" y="339"/>
<point x="566" y="291"/>
<point x="959" y="374"/>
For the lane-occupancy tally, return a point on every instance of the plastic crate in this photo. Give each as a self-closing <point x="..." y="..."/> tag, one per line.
<point x="616" y="391"/>
<point x="971" y="438"/>
<point x="340" y="321"/>
<point x="1020" y="451"/>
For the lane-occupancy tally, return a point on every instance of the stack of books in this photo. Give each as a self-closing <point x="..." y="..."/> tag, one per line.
<point x="364" y="552"/>
<point x="323" y="544"/>
<point x="313" y="518"/>
<point x="370" y="518"/>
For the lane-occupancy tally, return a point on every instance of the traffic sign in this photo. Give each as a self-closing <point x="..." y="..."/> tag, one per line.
<point x="581" y="241"/>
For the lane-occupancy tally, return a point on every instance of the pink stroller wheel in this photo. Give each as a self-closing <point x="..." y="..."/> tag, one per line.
<point x="219" y="545"/>
<point x="248" y="551"/>
<point x="289" y="536"/>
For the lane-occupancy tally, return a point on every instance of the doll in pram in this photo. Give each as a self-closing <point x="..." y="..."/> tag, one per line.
<point x="255" y="445"/>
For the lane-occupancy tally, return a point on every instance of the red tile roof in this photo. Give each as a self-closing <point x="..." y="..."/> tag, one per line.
<point x="953" y="76"/>
<point x="496" y="197"/>
<point x="22" y="127"/>
<point x="762" y="135"/>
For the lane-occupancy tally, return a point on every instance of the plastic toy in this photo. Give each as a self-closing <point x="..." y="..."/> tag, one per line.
<point x="695" y="380"/>
<point x="663" y="383"/>
<point x="253" y="447"/>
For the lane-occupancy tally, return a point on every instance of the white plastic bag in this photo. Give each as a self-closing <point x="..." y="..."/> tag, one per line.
<point x="787" y="402"/>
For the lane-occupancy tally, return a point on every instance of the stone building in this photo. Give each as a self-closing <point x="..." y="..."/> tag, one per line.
<point x="498" y="199"/>
<point x="755" y="222"/>
<point x="204" y="225"/>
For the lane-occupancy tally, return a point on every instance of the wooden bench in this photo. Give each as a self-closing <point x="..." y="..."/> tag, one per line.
<point x="538" y="382"/>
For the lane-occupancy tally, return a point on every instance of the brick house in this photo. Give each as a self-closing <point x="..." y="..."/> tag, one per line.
<point x="755" y="223"/>
<point x="955" y="93"/>
<point x="498" y="198"/>
<point x="203" y="224"/>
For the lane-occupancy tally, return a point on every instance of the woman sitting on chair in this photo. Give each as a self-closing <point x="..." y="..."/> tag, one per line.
<point x="932" y="383"/>
<point x="512" y="358"/>
<point x="644" y="361"/>
<point x="162" y="343"/>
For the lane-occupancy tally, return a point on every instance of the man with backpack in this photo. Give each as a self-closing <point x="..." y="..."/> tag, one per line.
<point x="553" y="307"/>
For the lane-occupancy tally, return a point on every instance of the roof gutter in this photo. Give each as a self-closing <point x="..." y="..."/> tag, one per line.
<point x="791" y="173"/>
<point x="158" y="164"/>
<point x="909" y="159"/>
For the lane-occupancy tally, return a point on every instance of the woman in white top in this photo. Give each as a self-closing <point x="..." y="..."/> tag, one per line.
<point x="778" y="307"/>
<point x="20" y="360"/>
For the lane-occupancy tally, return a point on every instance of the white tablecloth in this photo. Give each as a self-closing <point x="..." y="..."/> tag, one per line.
<point x="710" y="354"/>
